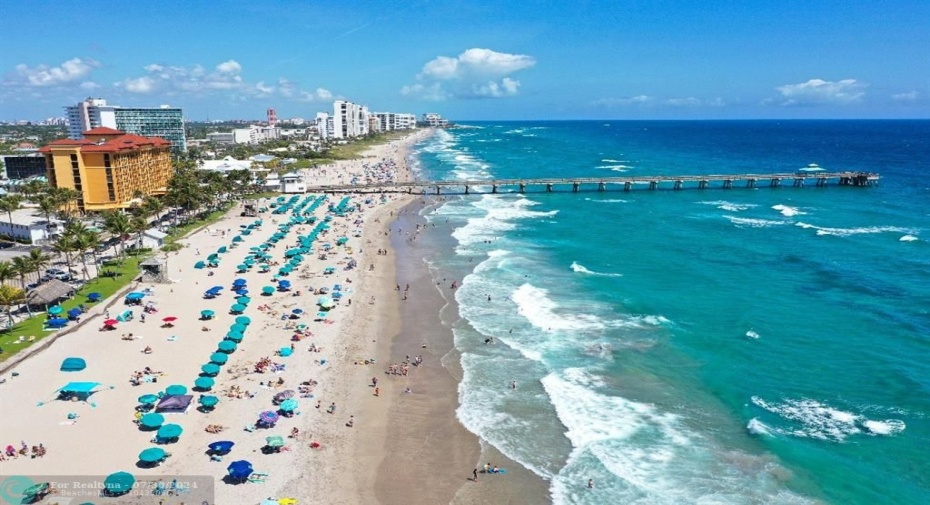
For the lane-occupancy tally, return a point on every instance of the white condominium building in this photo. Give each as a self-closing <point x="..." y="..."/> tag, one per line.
<point x="349" y="120"/>
<point x="389" y="121"/>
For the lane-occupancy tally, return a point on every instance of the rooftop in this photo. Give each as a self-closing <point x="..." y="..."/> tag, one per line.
<point x="124" y="142"/>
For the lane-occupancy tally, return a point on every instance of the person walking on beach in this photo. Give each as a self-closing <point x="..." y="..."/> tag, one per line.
<point x="474" y="474"/>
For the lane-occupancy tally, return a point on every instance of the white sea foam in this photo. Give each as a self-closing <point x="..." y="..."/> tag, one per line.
<point x="500" y="214"/>
<point x="846" y="232"/>
<point x="729" y="206"/>
<point x="609" y="160"/>
<point x="534" y="304"/>
<point x="606" y="200"/>
<point x="908" y="238"/>
<point x="747" y="222"/>
<point x="576" y="267"/>
<point x="752" y="334"/>
<point x="813" y="419"/>
<point x="757" y="427"/>
<point x="615" y="168"/>
<point x="788" y="211"/>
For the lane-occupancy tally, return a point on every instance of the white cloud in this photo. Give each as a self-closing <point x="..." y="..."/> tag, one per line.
<point x="818" y="92"/>
<point x="224" y="77"/>
<point x="695" y="102"/>
<point x="229" y="67"/>
<point x="910" y="96"/>
<point x="475" y="73"/>
<point x="626" y="100"/>
<point x="89" y="85"/>
<point x="71" y="71"/>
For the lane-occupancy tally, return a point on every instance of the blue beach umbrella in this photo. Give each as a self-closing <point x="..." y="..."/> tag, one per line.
<point x="243" y="300"/>
<point x="176" y="389"/>
<point x="238" y="327"/>
<point x="204" y="383"/>
<point x="169" y="431"/>
<point x="226" y="346"/>
<point x="56" y="323"/>
<point x="210" y="369"/>
<point x="288" y="405"/>
<point x="221" y="447"/>
<point x="208" y="401"/>
<point x="243" y="320"/>
<point x="219" y="358"/>
<point x="94" y="297"/>
<point x="268" y="290"/>
<point x="74" y="313"/>
<point x="119" y="483"/>
<point x="152" y="454"/>
<point x="207" y="314"/>
<point x="135" y="295"/>
<point x="148" y="399"/>
<point x="239" y="470"/>
<point x="237" y="308"/>
<point x="235" y="336"/>
<point x="240" y="282"/>
<point x="152" y="420"/>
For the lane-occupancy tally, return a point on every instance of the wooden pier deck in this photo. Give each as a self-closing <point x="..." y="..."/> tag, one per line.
<point x="576" y="184"/>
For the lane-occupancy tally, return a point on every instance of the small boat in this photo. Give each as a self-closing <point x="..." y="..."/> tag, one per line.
<point x="812" y="168"/>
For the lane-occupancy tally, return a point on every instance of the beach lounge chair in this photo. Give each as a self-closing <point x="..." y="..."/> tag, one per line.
<point x="258" y="477"/>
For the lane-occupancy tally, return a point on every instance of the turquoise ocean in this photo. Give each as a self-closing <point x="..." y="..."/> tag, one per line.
<point x="697" y="346"/>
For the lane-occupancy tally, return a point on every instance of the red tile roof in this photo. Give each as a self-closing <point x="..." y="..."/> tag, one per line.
<point x="103" y="130"/>
<point x="124" y="142"/>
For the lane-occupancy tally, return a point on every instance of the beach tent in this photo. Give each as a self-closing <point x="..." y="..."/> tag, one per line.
<point x="125" y="316"/>
<point x="79" y="390"/>
<point x="152" y="421"/>
<point x="204" y="383"/>
<point x="239" y="470"/>
<point x="119" y="483"/>
<point x="174" y="403"/>
<point x="73" y="365"/>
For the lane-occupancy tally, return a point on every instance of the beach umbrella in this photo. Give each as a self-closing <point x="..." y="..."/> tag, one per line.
<point x="297" y="311"/>
<point x="239" y="470"/>
<point x="325" y="302"/>
<point x="94" y="297"/>
<point x="275" y="441"/>
<point x="210" y="369"/>
<point x="269" y="417"/>
<point x="243" y="320"/>
<point x="268" y="290"/>
<point x="219" y="358"/>
<point x="176" y="389"/>
<point x="239" y="282"/>
<point x="216" y="289"/>
<point x="56" y="309"/>
<point x="242" y="268"/>
<point x="110" y="322"/>
<point x="243" y="300"/>
<point x="148" y="399"/>
<point x="284" y="395"/>
<point x="170" y="431"/>
<point x="152" y="420"/>
<point x="237" y="308"/>
<point x="135" y="295"/>
<point x="199" y="265"/>
<point x="213" y="256"/>
<point x="285" y="352"/>
<point x="226" y="346"/>
<point x="204" y="382"/>
<point x="222" y="446"/>
<point x="207" y="314"/>
<point x="284" y="283"/>
<point x="237" y="238"/>
<point x="119" y="483"/>
<point x="169" y="319"/>
<point x="238" y="327"/>
<point x="56" y="322"/>
<point x="152" y="454"/>
<point x="222" y="250"/>
<point x="74" y="313"/>
<point x="288" y="405"/>
<point x="208" y="401"/>
<point x="235" y="336"/>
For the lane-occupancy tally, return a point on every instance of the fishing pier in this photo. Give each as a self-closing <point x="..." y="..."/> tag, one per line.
<point x="577" y="184"/>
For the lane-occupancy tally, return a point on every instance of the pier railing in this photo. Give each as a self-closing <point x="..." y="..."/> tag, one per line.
<point x="576" y="184"/>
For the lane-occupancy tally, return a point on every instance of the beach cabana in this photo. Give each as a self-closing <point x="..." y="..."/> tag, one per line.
<point x="174" y="403"/>
<point x="210" y="369"/>
<point x="204" y="383"/>
<point x="219" y="358"/>
<point x="118" y="483"/>
<point x="169" y="432"/>
<point x="239" y="471"/>
<point x="207" y="402"/>
<point x="207" y="314"/>
<point x="152" y="421"/>
<point x="73" y="365"/>
<point x="152" y="455"/>
<point x="175" y="390"/>
<point x="226" y="346"/>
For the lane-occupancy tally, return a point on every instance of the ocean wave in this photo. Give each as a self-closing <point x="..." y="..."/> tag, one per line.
<point x="499" y="216"/>
<point x="576" y="267"/>
<point x="846" y="232"/>
<point x="747" y="222"/>
<point x="615" y="168"/>
<point x="757" y="427"/>
<point x="788" y="211"/>
<point x="812" y="419"/>
<point x="610" y="160"/>
<point x="729" y="206"/>
<point x="534" y="304"/>
<point x="606" y="200"/>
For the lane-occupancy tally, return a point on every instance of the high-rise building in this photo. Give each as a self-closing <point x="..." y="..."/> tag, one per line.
<point x="109" y="168"/>
<point x="349" y="120"/>
<point x="166" y="122"/>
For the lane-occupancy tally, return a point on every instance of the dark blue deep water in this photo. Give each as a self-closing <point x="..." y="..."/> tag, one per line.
<point x="699" y="346"/>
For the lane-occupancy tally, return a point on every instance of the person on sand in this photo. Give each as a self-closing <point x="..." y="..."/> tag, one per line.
<point x="351" y="422"/>
<point x="474" y="474"/>
<point x="147" y="350"/>
<point x="377" y="391"/>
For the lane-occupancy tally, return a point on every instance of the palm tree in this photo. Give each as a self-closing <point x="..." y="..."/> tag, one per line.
<point x="8" y="204"/>
<point x="7" y="271"/>
<point x="88" y="240"/>
<point x="154" y="206"/>
<point x="38" y="260"/>
<point x="48" y="205"/>
<point x="118" y="224"/>
<point x="33" y="188"/>
<point x="138" y="225"/>
<point x="10" y="296"/>
<point x="22" y="267"/>
<point x="65" y="244"/>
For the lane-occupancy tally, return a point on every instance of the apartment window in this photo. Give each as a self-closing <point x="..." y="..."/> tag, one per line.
<point x="74" y="161"/>
<point x="106" y="160"/>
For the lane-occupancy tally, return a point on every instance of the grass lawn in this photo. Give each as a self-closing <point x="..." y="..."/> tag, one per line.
<point x="354" y="149"/>
<point x="121" y="275"/>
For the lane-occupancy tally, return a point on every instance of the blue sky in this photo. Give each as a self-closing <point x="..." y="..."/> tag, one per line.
<point x="488" y="59"/>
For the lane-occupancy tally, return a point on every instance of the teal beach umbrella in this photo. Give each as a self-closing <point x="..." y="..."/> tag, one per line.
<point x="210" y="369"/>
<point x="219" y="358"/>
<point x="170" y="431"/>
<point x="204" y="382"/>
<point x="152" y="454"/>
<point x="119" y="483"/>
<point x="226" y="346"/>
<point x="152" y="420"/>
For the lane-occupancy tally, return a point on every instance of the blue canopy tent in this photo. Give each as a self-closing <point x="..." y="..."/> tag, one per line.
<point x="73" y="365"/>
<point x="77" y="390"/>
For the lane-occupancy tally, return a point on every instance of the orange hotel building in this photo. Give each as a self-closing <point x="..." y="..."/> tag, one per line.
<point x="108" y="167"/>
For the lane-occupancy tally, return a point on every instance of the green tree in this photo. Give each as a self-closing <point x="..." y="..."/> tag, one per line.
<point x="10" y="296"/>
<point x="154" y="207"/>
<point x="89" y="240"/>
<point x="7" y="272"/>
<point x="117" y="223"/>
<point x="65" y="245"/>
<point x="8" y="204"/>
<point x="38" y="260"/>
<point x="22" y="267"/>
